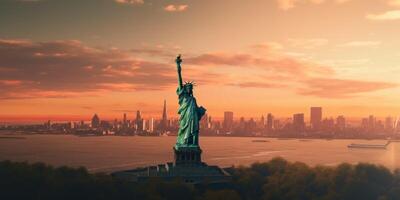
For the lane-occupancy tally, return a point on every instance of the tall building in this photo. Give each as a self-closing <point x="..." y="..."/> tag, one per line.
<point x="328" y="124"/>
<point x="250" y="127"/>
<point x="277" y="124"/>
<point x="389" y="124"/>
<point x="371" y="122"/>
<point x="341" y="122"/>
<point x="270" y="120"/>
<point x="95" y="121"/>
<point x="364" y="123"/>
<point x="139" y="121"/>
<point x="209" y="125"/>
<point x="262" y="121"/>
<point x="228" y="121"/>
<point x="125" y="120"/>
<point x="164" y="119"/>
<point x="143" y="125"/>
<point x="204" y="122"/>
<point x="151" y="125"/>
<point x="315" y="117"/>
<point x="298" y="122"/>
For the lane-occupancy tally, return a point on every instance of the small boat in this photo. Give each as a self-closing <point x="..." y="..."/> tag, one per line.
<point x="260" y="141"/>
<point x="12" y="137"/>
<point x="285" y="138"/>
<point x="368" y="146"/>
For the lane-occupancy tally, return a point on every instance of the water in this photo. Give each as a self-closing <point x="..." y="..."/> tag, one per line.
<point x="112" y="153"/>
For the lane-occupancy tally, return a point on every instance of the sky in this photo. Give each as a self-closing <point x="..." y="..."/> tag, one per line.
<point x="69" y="59"/>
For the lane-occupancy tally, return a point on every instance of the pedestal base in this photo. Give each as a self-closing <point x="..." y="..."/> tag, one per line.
<point x="187" y="156"/>
<point x="187" y="166"/>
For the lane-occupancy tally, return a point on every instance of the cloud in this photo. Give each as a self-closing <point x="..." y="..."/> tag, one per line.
<point x="158" y="51"/>
<point x="307" y="43"/>
<point x="388" y="15"/>
<point x="125" y="111"/>
<point x="279" y="65"/>
<point x="286" y="4"/>
<point x="254" y="84"/>
<point x="346" y="62"/>
<point x="394" y="2"/>
<point x="70" y="68"/>
<point x="361" y="43"/>
<point x="341" y="88"/>
<point x="132" y="2"/>
<point x="176" y="8"/>
<point x="269" y="46"/>
<point x="289" y="4"/>
<point x="286" y="72"/>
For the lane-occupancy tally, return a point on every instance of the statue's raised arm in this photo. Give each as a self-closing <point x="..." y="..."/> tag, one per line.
<point x="179" y="68"/>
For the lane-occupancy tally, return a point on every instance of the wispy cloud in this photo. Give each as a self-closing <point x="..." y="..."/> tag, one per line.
<point x="59" y="69"/>
<point x="70" y="68"/>
<point x="310" y="77"/>
<point x="394" y="2"/>
<point x="258" y="84"/>
<point x="132" y="2"/>
<point x="176" y="8"/>
<point x="388" y="15"/>
<point x="289" y="4"/>
<point x="279" y="65"/>
<point x="341" y="88"/>
<point x="360" y="43"/>
<point x="307" y="43"/>
<point x="268" y="46"/>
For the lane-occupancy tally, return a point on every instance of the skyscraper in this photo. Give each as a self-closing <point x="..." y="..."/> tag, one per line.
<point x="139" y="121"/>
<point x="262" y="121"/>
<point x="364" y="123"/>
<point x="270" y="120"/>
<point x="151" y="125"/>
<point x="228" y="121"/>
<point x="124" y="120"/>
<point x="143" y="125"/>
<point x="95" y="121"/>
<point x="298" y="122"/>
<point x="389" y="124"/>
<point x="341" y="122"/>
<point x="371" y="122"/>
<point x="164" y="119"/>
<point x="204" y="122"/>
<point x="315" y="117"/>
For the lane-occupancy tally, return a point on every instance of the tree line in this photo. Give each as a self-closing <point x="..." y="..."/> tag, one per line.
<point x="277" y="179"/>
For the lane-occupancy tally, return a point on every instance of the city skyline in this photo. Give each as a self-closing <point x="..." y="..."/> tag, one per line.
<point x="115" y="56"/>
<point x="164" y="112"/>
<point x="314" y="118"/>
<point x="318" y="126"/>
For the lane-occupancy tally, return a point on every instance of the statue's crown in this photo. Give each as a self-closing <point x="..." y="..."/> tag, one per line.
<point x="191" y="83"/>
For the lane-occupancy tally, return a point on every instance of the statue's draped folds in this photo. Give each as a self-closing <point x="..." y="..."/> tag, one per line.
<point x="190" y="115"/>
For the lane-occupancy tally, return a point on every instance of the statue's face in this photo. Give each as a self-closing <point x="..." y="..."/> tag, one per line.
<point x="189" y="89"/>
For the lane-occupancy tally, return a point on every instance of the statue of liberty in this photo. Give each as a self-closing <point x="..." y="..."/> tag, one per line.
<point x="190" y="113"/>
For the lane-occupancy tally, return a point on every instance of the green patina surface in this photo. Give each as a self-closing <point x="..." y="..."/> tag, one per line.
<point x="190" y="113"/>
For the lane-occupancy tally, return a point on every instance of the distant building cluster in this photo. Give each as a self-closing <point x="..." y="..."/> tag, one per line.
<point x="316" y="127"/>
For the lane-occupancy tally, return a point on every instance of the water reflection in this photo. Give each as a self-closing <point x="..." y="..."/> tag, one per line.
<point x="116" y="153"/>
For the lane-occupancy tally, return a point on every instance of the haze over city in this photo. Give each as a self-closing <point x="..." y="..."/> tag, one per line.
<point x="66" y="60"/>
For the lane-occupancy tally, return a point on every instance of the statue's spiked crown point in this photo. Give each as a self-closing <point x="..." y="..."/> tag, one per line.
<point x="191" y="83"/>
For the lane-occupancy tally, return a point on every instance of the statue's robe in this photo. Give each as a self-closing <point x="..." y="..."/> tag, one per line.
<point x="190" y="115"/>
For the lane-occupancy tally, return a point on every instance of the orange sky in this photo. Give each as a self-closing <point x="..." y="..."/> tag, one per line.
<point x="70" y="59"/>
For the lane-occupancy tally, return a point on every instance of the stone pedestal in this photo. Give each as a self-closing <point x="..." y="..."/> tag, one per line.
<point x="187" y="156"/>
